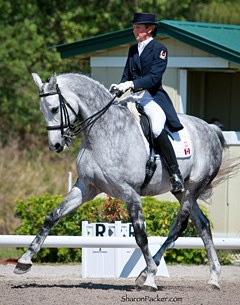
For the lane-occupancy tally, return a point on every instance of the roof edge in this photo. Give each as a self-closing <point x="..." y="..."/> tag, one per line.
<point x="168" y="28"/>
<point x="203" y="43"/>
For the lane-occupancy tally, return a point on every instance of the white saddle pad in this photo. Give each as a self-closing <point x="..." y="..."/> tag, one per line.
<point x="181" y="143"/>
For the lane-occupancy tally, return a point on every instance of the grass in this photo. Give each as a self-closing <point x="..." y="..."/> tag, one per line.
<point x="31" y="172"/>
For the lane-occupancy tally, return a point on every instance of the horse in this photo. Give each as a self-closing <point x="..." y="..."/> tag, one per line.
<point x="112" y="159"/>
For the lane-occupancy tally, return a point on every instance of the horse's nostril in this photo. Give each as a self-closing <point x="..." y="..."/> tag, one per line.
<point x="57" y="146"/>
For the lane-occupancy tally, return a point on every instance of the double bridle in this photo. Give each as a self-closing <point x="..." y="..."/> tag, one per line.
<point x="73" y="129"/>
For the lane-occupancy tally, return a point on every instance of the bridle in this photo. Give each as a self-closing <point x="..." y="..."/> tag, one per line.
<point x="68" y="129"/>
<point x="64" y="116"/>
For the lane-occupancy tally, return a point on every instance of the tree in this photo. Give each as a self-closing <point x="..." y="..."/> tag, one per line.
<point x="29" y="27"/>
<point x="23" y="50"/>
<point x="226" y="12"/>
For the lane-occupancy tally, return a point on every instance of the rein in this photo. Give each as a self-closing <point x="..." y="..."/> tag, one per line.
<point x="77" y="127"/>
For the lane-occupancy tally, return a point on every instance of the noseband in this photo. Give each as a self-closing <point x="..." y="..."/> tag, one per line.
<point x="77" y="127"/>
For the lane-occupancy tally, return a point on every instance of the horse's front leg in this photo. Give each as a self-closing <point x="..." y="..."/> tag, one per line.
<point x="147" y="281"/>
<point x="78" y="195"/>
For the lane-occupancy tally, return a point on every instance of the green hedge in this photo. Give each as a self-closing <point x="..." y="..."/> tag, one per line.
<point x="159" y="217"/>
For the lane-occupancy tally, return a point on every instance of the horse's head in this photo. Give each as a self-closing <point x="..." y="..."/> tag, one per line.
<point x="59" y="114"/>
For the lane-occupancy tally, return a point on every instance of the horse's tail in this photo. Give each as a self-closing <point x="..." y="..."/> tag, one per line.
<point x="229" y="168"/>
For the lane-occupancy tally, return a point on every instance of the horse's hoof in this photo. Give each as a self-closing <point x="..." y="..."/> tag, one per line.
<point x="22" y="268"/>
<point x="214" y="284"/>
<point x="141" y="279"/>
<point x="149" y="288"/>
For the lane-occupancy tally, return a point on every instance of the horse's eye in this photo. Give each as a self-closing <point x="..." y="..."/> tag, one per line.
<point x="54" y="110"/>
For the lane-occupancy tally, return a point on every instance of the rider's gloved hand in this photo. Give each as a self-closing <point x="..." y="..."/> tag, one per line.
<point x="113" y="88"/>
<point x="122" y="87"/>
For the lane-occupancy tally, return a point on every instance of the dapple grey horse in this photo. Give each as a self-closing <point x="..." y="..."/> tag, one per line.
<point x="112" y="159"/>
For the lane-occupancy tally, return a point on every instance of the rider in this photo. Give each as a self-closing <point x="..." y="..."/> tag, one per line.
<point x="146" y="63"/>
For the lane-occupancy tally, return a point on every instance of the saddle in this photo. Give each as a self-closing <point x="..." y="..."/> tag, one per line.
<point x="146" y="126"/>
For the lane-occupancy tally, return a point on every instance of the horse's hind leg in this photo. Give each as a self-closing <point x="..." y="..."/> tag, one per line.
<point x="135" y="212"/>
<point x="78" y="195"/>
<point x="177" y="228"/>
<point x="203" y="227"/>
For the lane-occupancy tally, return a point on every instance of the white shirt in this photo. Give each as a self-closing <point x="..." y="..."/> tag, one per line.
<point x="137" y="96"/>
<point x="142" y="45"/>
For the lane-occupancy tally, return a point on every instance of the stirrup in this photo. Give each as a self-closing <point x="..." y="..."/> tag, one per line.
<point x="177" y="184"/>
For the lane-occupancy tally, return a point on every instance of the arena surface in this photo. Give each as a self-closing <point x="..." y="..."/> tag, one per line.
<point x="62" y="284"/>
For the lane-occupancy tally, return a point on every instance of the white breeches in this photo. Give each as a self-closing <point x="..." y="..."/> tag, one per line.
<point x="155" y="113"/>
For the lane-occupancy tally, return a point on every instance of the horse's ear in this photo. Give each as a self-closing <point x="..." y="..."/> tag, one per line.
<point x="37" y="80"/>
<point x="53" y="82"/>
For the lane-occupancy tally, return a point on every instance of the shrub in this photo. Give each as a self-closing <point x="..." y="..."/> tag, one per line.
<point x="110" y="210"/>
<point x="159" y="217"/>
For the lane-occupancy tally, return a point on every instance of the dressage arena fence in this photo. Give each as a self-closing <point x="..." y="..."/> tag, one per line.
<point x="18" y="241"/>
<point x="109" y="250"/>
<point x="115" y="257"/>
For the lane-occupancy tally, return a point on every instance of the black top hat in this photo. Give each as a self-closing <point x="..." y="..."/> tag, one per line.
<point x="146" y="18"/>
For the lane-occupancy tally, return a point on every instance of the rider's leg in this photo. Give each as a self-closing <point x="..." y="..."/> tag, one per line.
<point x="165" y="149"/>
<point x="163" y="145"/>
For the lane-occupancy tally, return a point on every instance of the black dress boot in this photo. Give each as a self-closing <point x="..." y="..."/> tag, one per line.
<point x="164" y="147"/>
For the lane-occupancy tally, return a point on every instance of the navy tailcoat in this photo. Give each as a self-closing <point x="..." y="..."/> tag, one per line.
<point x="146" y="72"/>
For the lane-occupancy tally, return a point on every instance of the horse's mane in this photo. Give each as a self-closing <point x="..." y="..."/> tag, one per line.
<point x="87" y="82"/>
<point x="95" y="96"/>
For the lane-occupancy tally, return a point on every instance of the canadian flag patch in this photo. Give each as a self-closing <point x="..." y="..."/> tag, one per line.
<point x="163" y="55"/>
